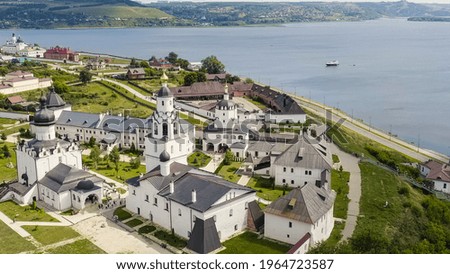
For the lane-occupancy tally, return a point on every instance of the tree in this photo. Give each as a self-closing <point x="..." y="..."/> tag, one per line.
<point x="85" y="76"/>
<point x="134" y="63"/>
<point x="194" y="77"/>
<point x="172" y="58"/>
<point x="3" y="136"/>
<point x="183" y="63"/>
<point x="190" y="78"/>
<point x="6" y="152"/>
<point x="60" y="87"/>
<point x="95" y="155"/>
<point x="135" y="163"/>
<point x="144" y="64"/>
<point x="232" y="78"/>
<point x="114" y="156"/>
<point x="212" y="65"/>
<point x="91" y="141"/>
<point x="228" y="157"/>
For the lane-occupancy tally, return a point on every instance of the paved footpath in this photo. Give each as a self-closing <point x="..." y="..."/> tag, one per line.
<point x="350" y="163"/>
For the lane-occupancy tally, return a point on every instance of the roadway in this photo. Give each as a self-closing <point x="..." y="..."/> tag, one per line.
<point x="370" y="132"/>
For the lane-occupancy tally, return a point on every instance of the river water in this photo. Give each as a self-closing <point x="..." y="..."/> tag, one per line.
<point x="393" y="74"/>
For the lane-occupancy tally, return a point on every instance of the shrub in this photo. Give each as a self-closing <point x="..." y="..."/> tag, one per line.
<point x="146" y="229"/>
<point x="404" y="191"/>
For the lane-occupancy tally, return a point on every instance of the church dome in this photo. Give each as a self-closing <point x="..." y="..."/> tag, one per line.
<point x="85" y="185"/>
<point x="226" y="104"/>
<point x="54" y="100"/>
<point x="44" y="116"/>
<point x="165" y="92"/>
<point x="164" y="156"/>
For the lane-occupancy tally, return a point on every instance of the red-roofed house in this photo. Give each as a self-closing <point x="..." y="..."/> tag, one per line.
<point x="14" y="100"/>
<point x="58" y="53"/>
<point x="438" y="173"/>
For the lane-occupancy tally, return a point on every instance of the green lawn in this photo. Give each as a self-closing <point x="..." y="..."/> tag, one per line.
<point x="125" y="170"/>
<point x="122" y="214"/>
<point x="24" y="213"/>
<point x="352" y="142"/>
<point x="47" y="235"/>
<point x="193" y="120"/>
<point x="146" y="229"/>
<point x="396" y="218"/>
<point x="228" y="172"/>
<point x="79" y="247"/>
<point x="339" y="183"/>
<point x="170" y="239"/>
<point x="328" y="246"/>
<point x="6" y="121"/>
<point x="97" y="98"/>
<point x="198" y="159"/>
<point x="248" y="243"/>
<point x="11" y="130"/>
<point x="259" y="104"/>
<point x="11" y="242"/>
<point x="6" y="173"/>
<point x="263" y="186"/>
<point x="134" y="222"/>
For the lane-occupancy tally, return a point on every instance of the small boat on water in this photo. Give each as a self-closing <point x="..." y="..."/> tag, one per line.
<point x="333" y="63"/>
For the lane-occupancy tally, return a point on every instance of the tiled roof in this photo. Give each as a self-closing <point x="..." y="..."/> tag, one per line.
<point x="306" y="204"/>
<point x="438" y="171"/>
<point x="303" y="154"/>
<point x="280" y="102"/>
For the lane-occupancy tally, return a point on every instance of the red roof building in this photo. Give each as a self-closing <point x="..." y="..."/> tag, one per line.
<point x="58" y="53"/>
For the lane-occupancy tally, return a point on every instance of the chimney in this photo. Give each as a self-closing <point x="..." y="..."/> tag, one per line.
<point x="171" y="187"/>
<point x="194" y="196"/>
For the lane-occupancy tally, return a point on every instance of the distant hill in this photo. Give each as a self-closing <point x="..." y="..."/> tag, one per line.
<point x="81" y="13"/>
<point x="127" y="13"/>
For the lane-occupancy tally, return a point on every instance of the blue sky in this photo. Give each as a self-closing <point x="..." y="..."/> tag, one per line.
<point x="415" y="1"/>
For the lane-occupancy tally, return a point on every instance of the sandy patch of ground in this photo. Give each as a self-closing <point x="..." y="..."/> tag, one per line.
<point x="114" y="239"/>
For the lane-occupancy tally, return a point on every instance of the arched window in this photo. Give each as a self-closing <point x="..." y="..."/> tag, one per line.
<point x="165" y="129"/>
<point x="175" y="128"/>
<point x="155" y="128"/>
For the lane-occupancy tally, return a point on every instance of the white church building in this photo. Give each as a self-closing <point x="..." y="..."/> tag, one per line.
<point x="50" y="169"/>
<point x="227" y="130"/>
<point x="194" y="204"/>
<point x="166" y="131"/>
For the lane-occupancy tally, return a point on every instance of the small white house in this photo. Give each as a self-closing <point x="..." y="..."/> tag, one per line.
<point x="303" y="215"/>
<point x="306" y="162"/>
<point x="438" y="173"/>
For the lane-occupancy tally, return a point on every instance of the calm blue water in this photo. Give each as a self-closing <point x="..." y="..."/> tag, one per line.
<point x="392" y="74"/>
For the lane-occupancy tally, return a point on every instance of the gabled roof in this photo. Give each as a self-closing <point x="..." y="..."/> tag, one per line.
<point x="303" y="154"/>
<point x="438" y="171"/>
<point x="78" y="119"/>
<point x="209" y="187"/>
<point x="15" y="99"/>
<point x="62" y="178"/>
<point x="281" y="102"/>
<point x="136" y="71"/>
<point x="306" y="204"/>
